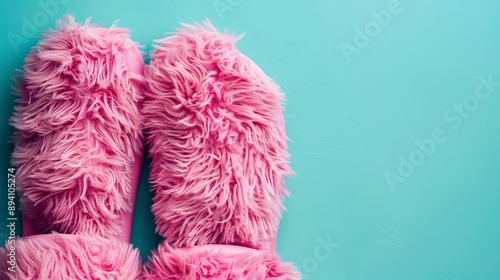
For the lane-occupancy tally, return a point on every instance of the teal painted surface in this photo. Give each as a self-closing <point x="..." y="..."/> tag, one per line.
<point x="393" y="111"/>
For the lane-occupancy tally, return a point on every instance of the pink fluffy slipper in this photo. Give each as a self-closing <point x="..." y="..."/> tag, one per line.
<point x="76" y="257"/>
<point x="78" y="150"/>
<point x="218" y="147"/>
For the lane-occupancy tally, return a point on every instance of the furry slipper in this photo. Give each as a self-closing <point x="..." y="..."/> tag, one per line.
<point x="217" y="262"/>
<point x="78" y="150"/>
<point x="77" y="129"/>
<point x="63" y="256"/>
<point x="218" y="146"/>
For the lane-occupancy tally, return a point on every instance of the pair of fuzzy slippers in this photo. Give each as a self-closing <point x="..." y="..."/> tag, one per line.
<point x="213" y="121"/>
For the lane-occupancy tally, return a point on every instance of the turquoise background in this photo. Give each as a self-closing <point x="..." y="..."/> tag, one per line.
<point x="355" y="111"/>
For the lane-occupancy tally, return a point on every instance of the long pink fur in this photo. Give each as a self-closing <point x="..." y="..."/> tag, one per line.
<point x="60" y="257"/>
<point x="168" y="263"/>
<point x="217" y="142"/>
<point x="77" y="129"/>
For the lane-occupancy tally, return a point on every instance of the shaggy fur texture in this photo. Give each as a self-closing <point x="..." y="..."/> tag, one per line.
<point x="77" y="129"/>
<point x="217" y="142"/>
<point x="62" y="257"/>
<point x="168" y="263"/>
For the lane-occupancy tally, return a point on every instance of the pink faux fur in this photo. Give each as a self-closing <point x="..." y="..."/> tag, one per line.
<point x="168" y="263"/>
<point x="77" y="129"/>
<point x="218" y="147"/>
<point x="217" y="141"/>
<point x="63" y="257"/>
